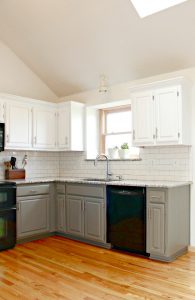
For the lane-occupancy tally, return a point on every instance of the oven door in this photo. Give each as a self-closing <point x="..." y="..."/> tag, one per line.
<point x="7" y="228"/>
<point x="7" y="197"/>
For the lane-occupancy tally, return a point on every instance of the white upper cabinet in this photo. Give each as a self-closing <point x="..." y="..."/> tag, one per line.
<point x="44" y="127"/>
<point x="18" y="125"/>
<point x="161" y="116"/>
<point x="70" y="126"/>
<point x="2" y="110"/>
<point x="38" y="125"/>
<point x="143" y="118"/>
<point x="64" y="127"/>
<point x="168" y="117"/>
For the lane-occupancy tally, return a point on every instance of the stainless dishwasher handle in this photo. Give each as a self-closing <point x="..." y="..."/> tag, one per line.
<point x="127" y="193"/>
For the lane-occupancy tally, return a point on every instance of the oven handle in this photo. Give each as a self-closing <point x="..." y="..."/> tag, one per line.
<point x="7" y="209"/>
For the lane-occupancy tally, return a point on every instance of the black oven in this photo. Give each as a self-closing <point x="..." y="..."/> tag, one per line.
<point x="7" y="215"/>
<point x="2" y="136"/>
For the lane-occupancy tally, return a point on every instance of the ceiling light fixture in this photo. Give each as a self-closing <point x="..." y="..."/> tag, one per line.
<point x="103" y="87"/>
<point x="145" y="8"/>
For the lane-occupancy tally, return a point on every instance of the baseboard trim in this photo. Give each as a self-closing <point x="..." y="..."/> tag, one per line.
<point x="34" y="237"/>
<point x="83" y="240"/>
<point x="191" y="248"/>
<point x="171" y="257"/>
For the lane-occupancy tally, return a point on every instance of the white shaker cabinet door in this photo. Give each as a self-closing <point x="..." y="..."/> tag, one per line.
<point x="168" y="115"/>
<point x="143" y="118"/>
<point x="64" y="128"/>
<point x="44" y="128"/>
<point x="18" y="125"/>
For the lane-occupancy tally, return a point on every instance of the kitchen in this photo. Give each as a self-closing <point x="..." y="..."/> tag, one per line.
<point x="56" y="173"/>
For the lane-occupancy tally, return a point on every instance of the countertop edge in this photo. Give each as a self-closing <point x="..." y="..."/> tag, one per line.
<point x="142" y="183"/>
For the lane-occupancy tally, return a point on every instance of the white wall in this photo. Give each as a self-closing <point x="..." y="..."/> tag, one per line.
<point x="122" y="91"/>
<point x="18" y="79"/>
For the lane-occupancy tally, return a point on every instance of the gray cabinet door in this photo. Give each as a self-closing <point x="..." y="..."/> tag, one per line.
<point x="156" y="228"/>
<point x="32" y="215"/>
<point x="61" y="213"/>
<point x="94" y="221"/>
<point x="75" y="215"/>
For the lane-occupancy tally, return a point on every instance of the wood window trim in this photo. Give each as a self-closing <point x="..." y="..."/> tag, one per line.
<point x="102" y="133"/>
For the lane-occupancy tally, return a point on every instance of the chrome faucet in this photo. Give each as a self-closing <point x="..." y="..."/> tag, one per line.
<point x="108" y="174"/>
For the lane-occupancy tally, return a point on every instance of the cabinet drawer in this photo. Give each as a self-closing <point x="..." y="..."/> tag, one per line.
<point x="85" y="190"/>
<point x="60" y="188"/>
<point x="30" y="190"/>
<point x="158" y="196"/>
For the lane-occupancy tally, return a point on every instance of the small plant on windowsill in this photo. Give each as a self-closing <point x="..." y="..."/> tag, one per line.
<point x="113" y="152"/>
<point x="124" y="152"/>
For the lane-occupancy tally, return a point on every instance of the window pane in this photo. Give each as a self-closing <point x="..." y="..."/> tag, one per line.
<point x="112" y="141"/>
<point x="117" y="140"/>
<point x="118" y="122"/>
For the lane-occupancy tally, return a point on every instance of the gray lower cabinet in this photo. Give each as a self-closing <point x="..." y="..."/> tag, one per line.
<point x="61" y="224"/>
<point x="32" y="210"/>
<point x="32" y="215"/>
<point x="75" y="215"/>
<point x="61" y="208"/>
<point x="86" y="213"/>
<point x="168" y="222"/>
<point x="94" y="222"/>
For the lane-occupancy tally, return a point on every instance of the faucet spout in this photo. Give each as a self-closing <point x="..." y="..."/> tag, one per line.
<point x="107" y="163"/>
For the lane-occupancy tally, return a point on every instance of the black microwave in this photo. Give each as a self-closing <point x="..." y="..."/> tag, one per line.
<point x="2" y="136"/>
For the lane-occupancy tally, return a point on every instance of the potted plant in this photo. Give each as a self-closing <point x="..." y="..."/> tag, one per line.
<point x="124" y="151"/>
<point x="113" y="152"/>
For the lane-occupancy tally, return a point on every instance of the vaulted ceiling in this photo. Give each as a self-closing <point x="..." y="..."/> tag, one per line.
<point x="69" y="43"/>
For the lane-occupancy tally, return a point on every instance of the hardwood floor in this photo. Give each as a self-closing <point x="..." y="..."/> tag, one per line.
<point x="58" y="268"/>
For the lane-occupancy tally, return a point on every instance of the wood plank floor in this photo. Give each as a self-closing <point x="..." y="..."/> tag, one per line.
<point x="58" y="268"/>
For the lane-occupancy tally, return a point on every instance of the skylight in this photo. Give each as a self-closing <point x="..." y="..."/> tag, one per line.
<point x="148" y="7"/>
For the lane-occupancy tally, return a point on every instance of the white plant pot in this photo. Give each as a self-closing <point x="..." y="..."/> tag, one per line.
<point x="113" y="153"/>
<point x="124" y="153"/>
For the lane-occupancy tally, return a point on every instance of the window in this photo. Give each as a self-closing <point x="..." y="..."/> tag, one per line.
<point x="146" y="8"/>
<point x="116" y="129"/>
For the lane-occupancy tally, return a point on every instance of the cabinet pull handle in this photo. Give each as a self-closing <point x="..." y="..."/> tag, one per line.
<point x="156" y="132"/>
<point x="35" y="139"/>
<point x="18" y="206"/>
<point x="33" y="191"/>
<point x="154" y="136"/>
<point x="7" y="138"/>
<point x="66" y="140"/>
<point x="150" y="213"/>
<point x="133" y="134"/>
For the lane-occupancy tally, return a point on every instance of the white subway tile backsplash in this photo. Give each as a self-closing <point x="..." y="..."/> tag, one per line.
<point x="162" y="163"/>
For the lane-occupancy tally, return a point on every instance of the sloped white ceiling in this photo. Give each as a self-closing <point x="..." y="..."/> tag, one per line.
<point x="69" y="43"/>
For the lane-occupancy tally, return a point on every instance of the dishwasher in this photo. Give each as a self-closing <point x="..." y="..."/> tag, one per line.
<point x="126" y="218"/>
